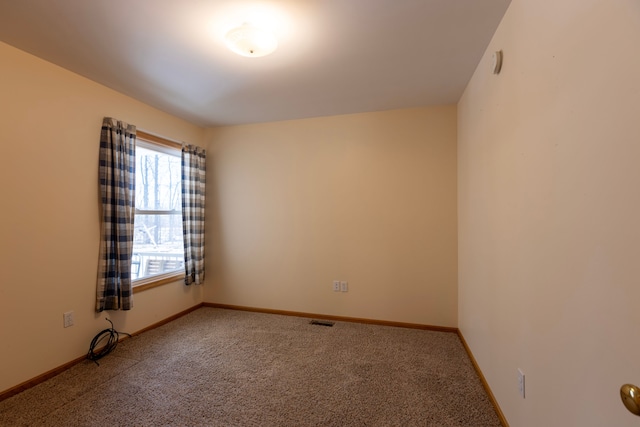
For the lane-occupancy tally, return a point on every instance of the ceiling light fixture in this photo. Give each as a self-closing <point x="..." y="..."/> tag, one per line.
<point x="247" y="40"/>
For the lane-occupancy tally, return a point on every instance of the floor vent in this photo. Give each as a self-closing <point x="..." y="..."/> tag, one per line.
<point x="322" y="322"/>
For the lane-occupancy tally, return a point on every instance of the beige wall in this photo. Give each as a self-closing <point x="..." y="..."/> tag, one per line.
<point x="49" y="132"/>
<point x="549" y="208"/>
<point x="367" y="198"/>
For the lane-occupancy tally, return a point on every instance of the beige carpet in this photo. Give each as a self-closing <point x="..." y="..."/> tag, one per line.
<point x="217" y="367"/>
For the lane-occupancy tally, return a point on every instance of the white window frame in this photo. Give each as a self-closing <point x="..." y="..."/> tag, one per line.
<point x="154" y="143"/>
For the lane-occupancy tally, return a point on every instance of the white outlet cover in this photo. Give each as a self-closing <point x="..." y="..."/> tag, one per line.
<point x="67" y="319"/>
<point x="344" y="286"/>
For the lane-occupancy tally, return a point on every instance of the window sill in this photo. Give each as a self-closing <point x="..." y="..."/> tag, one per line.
<point x="155" y="281"/>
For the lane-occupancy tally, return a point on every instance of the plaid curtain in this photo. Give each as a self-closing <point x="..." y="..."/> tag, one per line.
<point x="193" y="182"/>
<point x="117" y="191"/>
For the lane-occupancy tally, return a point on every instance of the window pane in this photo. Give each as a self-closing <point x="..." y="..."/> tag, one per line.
<point x="158" y="180"/>
<point x="157" y="239"/>
<point x="157" y="245"/>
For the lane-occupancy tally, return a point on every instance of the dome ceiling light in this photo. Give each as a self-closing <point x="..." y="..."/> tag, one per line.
<point x="248" y="40"/>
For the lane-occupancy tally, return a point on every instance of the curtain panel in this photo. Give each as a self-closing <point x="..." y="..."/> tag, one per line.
<point x="193" y="186"/>
<point x="117" y="190"/>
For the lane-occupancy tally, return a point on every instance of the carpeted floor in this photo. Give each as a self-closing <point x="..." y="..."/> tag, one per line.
<point x="216" y="367"/>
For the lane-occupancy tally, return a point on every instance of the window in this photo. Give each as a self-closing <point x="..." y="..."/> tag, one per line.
<point x="158" y="249"/>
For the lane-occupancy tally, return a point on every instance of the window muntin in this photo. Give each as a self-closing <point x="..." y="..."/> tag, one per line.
<point x="158" y="247"/>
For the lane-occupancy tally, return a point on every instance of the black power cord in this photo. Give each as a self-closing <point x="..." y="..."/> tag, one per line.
<point x="111" y="336"/>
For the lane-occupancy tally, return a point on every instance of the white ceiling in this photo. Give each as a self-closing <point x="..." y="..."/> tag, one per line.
<point x="334" y="56"/>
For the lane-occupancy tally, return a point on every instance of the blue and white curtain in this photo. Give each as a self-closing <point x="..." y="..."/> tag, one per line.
<point x="117" y="191"/>
<point x="193" y="184"/>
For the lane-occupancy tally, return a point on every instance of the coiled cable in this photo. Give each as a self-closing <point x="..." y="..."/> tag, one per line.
<point x="111" y="336"/>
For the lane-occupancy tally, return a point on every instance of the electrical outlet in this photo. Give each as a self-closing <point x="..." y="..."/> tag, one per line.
<point x="521" y="382"/>
<point x="336" y="285"/>
<point x="67" y="319"/>
<point x="344" y="286"/>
